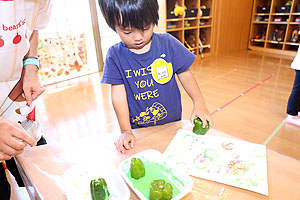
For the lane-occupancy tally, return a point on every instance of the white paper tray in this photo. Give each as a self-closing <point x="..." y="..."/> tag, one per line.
<point x="77" y="181"/>
<point x="157" y="167"/>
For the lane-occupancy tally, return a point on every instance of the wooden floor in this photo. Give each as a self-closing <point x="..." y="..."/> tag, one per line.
<point x="246" y="93"/>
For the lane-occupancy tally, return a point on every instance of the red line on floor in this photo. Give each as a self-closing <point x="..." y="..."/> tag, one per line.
<point x="253" y="87"/>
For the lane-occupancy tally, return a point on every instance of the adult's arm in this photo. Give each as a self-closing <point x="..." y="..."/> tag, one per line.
<point x="32" y="86"/>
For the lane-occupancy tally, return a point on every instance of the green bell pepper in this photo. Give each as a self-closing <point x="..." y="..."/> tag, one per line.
<point x="99" y="189"/>
<point x="137" y="168"/>
<point x="198" y="129"/>
<point x="161" y="190"/>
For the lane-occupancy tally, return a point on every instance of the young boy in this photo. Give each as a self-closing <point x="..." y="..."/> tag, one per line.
<point x="141" y="70"/>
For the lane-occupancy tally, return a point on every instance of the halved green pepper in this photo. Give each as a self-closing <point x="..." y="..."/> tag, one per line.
<point x="99" y="189"/>
<point x="198" y="129"/>
<point x="161" y="190"/>
<point x="137" y="168"/>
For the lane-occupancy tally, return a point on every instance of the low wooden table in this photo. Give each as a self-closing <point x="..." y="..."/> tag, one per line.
<point x="42" y="167"/>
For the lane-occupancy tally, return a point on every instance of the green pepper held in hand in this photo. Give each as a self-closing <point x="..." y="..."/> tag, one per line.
<point x="198" y="129"/>
<point x="99" y="189"/>
<point x="137" y="168"/>
<point x="161" y="190"/>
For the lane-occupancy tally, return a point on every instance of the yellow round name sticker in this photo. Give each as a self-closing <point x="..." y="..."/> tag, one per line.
<point x="162" y="71"/>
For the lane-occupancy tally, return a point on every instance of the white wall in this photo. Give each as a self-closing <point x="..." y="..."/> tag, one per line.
<point x="108" y="36"/>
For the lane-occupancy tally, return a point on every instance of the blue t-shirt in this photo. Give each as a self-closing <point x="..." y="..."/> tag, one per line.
<point x="152" y="92"/>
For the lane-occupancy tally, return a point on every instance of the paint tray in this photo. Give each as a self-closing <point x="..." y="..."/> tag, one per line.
<point x="157" y="167"/>
<point x="77" y="181"/>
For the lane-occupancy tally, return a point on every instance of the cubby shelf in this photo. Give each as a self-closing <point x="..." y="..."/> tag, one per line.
<point x="194" y="28"/>
<point x="272" y="30"/>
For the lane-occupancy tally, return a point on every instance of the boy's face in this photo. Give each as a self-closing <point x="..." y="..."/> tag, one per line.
<point x="135" y="39"/>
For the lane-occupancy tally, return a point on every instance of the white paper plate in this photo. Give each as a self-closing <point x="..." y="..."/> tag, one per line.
<point x="77" y="181"/>
<point x="157" y="167"/>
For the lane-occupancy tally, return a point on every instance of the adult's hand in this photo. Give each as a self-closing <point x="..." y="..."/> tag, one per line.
<point x="13" y="139"/>
<point x="32" y="85"/>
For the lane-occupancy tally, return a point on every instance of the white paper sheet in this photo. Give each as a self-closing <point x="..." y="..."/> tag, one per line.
<point x="225" y="160"/>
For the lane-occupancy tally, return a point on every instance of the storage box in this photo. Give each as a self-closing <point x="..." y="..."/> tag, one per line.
<point x="191" y="12"/>
<point x="170" y="14"/>
<point x="258" y="18"/>
<point x="283" y="9"/>
<point x="278" y="19"/>
<point x="203" y="22"/>
<point x="263" y="9"/>
<point x="170" y="25"/>
<point x="298" y="8"/>
<point x="205" y="12"/>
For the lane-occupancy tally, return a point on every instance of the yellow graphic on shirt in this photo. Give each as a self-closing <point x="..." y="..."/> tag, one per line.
<point x="152" y="114"/>
<point x="162" y="71"/>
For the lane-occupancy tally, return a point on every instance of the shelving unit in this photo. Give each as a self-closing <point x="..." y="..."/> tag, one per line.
<point x="191" y="26"/>
<point x="263" y="34"/>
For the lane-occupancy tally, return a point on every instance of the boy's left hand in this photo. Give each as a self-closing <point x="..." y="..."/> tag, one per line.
<point x="203" y="113"/>
<point x="32" y="86"/>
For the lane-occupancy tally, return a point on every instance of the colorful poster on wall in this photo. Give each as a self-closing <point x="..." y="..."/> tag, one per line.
<point x="66" y="46"/>
<point x="234" y="162"/>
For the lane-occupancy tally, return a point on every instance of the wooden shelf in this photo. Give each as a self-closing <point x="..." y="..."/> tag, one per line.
<point x="265" y="31"/>
<point x="206" y="17"/>
<point x="292" y="43"/>
<point x="205" y="26"/>
<point x="255" y="22"/>
<point x="190" y="28"/>
<point x="174" y="20"/>
<point x="190" y="18"/>
<point x="257" y="40"/>
<point x="295" y="23"/>
<point x="274" y="42"/>
<point x="173" y="29"/>
<point x="280" y="14"/>
<point x="284" y="23"/>
<point x="199" y="32"/>
<point x="262" y="14"/>
<point x="206" y="46"/>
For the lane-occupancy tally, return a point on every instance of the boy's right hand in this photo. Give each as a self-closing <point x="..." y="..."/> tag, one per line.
<point x="13" y="139"/>
<point x="125" y="142"/>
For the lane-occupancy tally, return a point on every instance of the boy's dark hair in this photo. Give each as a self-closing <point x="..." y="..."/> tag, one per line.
<point x="129" y="13"/>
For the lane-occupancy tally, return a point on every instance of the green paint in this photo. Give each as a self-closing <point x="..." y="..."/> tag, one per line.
<point x="155" y="171"/>
<point x="274" y="133"/>
<point x="199" y="164"/>
<point x="210" y="153"/>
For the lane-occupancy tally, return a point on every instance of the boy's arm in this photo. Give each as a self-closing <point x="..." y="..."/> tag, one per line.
<point x="119" y="100"/>
<point x="191" y="87"/>
<point x="31" y="84"/>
